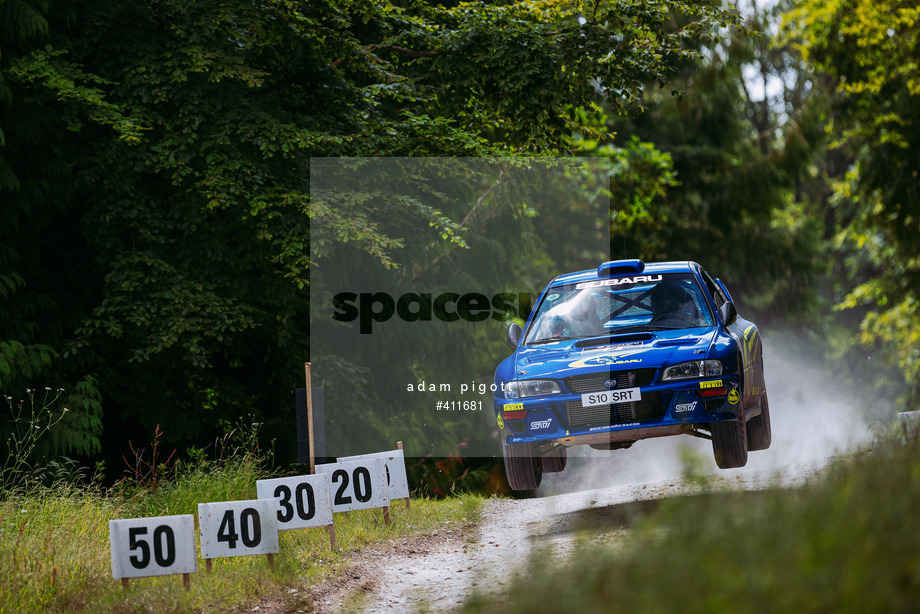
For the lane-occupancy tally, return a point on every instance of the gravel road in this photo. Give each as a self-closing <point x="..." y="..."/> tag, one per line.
<point x="437" y="572"/>
<point x="813" y="420"/>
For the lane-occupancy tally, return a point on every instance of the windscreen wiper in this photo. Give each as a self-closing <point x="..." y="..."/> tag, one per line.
<point x="551" y="340"/>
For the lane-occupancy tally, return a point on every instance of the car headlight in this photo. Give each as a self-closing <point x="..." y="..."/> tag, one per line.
<point x="692" y="370"/>
<point x="531" y="388"/>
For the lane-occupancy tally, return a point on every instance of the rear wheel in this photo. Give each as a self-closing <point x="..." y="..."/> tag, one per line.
<point x="524" y="470"/>
<point x="759" y="433"/>
<point x="554" y="461"/>
<point x="729" y="443"/>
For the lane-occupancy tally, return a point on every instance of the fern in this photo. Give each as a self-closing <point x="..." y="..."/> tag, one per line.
<point x="10" y="283"/>
<point x="22" y="21"/>
<point x="80" y="429"/>
<point x="20" y="362"/>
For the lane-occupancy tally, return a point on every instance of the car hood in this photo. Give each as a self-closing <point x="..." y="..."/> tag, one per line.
<point x="635" y="351"/>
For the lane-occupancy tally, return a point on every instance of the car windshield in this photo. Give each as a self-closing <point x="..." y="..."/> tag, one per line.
<point x="618" y="305"/>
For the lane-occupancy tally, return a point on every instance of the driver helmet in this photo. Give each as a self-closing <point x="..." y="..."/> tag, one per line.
<point x="584" y="308"/>
<point x="667" y="297"/>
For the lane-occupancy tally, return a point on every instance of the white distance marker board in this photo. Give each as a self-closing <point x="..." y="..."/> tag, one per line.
<point x="238" y="528"/>
<point x="357" y="485"/>
<point x="301" y="501"/>
<point x="160" y="546"/>
<point x="396" y="471"/>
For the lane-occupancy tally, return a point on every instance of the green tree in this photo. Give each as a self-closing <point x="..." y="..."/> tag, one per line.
<point x="746" y="145"/>
<point x="155" y="165"/>
<point x="869" y="52"/>
<point x="45" y="291"/>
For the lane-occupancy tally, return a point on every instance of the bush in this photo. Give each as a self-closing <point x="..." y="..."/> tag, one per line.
<point x="843" y="543"/>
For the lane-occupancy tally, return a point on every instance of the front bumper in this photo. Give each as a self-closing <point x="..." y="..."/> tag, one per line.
<point x="664" y="410"/>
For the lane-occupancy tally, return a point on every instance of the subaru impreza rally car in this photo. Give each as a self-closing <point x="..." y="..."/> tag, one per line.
<point x="630" y="351"/>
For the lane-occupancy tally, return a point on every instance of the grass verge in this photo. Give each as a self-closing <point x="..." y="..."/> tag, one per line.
<point x="54" y="546"/>
<point x="846" y="543"/>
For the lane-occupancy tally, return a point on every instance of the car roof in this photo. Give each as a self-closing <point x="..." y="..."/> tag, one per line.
<point x="676" y="266"/>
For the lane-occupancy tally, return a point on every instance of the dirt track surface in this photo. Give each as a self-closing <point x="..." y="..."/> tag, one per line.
<point x="439" y="571"/>
<point x="604" y="492"/>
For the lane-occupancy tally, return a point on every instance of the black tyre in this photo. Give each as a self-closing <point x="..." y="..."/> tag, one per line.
<point x="554" y="461"/>
<point x="524" y="470"/>
<point x="729" y="443"/>
<point x="759" y="433"/>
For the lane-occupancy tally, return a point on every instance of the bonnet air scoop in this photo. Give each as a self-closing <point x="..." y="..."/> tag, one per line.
<point x="620" y="267"/>
<point x="613" y="339"/>
<point x="676" y="342"/>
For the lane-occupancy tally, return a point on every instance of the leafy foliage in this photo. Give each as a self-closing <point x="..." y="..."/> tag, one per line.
<point x="155" y="163"/>
<point x="31" y="423"/>
<point x="868" y="51"/>
<point x="745" y="167"/>
<point x="835" y="544"/>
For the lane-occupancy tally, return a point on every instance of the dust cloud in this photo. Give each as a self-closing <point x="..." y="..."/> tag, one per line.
<point x="814" y="417"/>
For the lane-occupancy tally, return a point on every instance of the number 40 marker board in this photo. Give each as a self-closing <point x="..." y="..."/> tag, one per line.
<point x="238" y="528"/>
<point x="144" y="547"/>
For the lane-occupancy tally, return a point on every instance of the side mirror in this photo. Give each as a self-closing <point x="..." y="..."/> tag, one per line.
<point x="728" y="312"/>
<point x="514" y="335"/>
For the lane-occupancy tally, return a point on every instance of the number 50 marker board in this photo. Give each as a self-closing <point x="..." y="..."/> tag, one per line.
<point x="143" y="547"/>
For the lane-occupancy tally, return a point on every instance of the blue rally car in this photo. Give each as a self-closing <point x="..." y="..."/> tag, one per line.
<point x="626" y="352"/>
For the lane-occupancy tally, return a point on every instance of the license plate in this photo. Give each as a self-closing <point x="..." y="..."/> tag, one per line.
<point x="610" y="397"/>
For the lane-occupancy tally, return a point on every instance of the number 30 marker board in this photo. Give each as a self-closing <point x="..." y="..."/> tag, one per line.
<point x="303" y="502"/>
<point x="144" y="547"/>
<point x="238" y="528"/>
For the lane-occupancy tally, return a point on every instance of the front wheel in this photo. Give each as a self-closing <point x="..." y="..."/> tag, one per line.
<point x="554" y="461"/>
<point x="759" y="433"/>
<point x="523" y="469"/>
<point x="729" y="443"/>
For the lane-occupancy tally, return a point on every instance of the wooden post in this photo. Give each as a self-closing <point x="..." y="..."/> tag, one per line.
<point x="310" y="419"/>
<point x="207" y="564"/>
<point x="399" y="447"/>
<point x="330" y="529"/>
